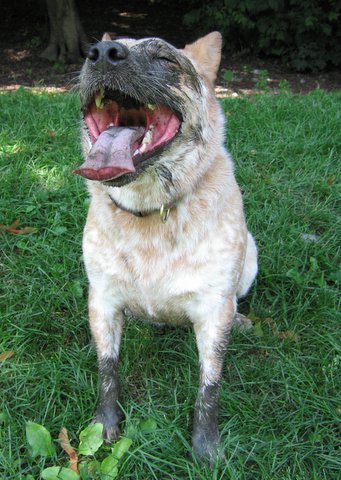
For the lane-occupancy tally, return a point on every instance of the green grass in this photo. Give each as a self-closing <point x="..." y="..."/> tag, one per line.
<point x="280" y="402"/>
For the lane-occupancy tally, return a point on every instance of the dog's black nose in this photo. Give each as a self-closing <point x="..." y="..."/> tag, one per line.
<point x="108" y="52"/>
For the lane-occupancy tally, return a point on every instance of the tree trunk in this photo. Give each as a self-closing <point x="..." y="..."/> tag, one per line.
<point x="68" y="41"/>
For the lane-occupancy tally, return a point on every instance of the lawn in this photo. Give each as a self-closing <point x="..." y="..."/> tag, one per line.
<point x="281" y="397"/>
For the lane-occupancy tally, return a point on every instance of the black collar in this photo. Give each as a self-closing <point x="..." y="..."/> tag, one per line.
<point x="163" y="211"/>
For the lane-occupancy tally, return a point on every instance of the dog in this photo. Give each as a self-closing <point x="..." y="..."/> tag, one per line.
<point x="165" y="237"/>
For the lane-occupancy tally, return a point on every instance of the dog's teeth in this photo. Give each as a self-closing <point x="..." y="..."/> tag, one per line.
<point x="99" y="99"/>
<point x="137" y="151"/>
<point x="151" y="107"/>
<point x="147" y="138"/>
<point x="143" y="147"/>
<point x="110" y="125"/>
<point x="149" y="135"/>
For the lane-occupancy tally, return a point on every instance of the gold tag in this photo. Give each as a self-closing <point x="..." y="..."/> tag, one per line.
<point x="164" y="213"/>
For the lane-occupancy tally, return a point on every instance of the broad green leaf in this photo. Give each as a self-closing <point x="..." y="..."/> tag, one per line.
<point x="83" y="471"/>
<point x="253" y="317"/>
<point x="90" y="470"/>
<point x="258" y="331"/>
<point x="39" y="440"/>
<point x="109" y="468"/>
<point x="228" y="75"/>
<point x="91" y="439"/>
<point x="59" y="473"/>
<point x="94" y="469"/>
<point x="148" y="425"/>
<point x="121" y="447"/>
<point x="131" y="430"/>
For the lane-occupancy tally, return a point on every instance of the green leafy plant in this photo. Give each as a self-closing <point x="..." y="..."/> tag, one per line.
<point x="228" y="75"/>
<point x="262" y="83"/>
<point x="306" y="35"/>
<point x="34" y="43"/>
<point x="29" y="71"/>
<point x="58" y="68"/>
<point x="90" y="461"/>
<point x="284" y="86"/>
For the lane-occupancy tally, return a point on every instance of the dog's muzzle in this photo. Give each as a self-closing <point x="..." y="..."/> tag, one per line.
<point x="126" y="134"/>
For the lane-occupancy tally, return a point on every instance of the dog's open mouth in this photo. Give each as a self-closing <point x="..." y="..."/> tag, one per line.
<point x="124" y="134"/>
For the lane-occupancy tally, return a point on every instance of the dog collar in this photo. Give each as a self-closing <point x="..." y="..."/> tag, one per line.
<point x="163" y="211"/>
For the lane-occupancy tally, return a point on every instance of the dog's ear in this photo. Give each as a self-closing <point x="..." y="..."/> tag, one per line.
<point x="106" y="37"/>
<point x="205" y="53"/>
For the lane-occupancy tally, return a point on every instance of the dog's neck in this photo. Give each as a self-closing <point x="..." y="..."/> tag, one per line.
<point x="163" y="211"/>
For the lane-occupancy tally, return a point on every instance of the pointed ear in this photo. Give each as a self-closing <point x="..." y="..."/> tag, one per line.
<point x="106" y="37"/>
<point x="206" y="55"/>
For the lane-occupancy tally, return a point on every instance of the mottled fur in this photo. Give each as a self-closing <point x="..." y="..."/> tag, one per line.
<point x="191" y="269"/>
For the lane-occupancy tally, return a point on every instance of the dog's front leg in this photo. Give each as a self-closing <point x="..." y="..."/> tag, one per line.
<point x="106" y="322"/>
<point x="212" y="337"/>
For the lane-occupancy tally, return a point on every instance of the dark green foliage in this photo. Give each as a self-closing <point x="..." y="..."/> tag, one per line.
<point x="305" y="35"/>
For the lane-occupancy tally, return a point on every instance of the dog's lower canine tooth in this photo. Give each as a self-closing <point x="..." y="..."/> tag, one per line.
<point x="148" y="136"/>
<point x="143" y="148"/>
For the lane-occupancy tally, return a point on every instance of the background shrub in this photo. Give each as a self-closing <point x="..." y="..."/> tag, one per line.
<point x="304" y="34"/>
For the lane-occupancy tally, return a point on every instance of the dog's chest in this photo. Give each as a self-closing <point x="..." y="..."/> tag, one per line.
<point x="159" y="277"/>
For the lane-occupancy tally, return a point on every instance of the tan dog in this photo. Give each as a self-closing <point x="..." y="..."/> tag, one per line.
<point x="165" y="238"/>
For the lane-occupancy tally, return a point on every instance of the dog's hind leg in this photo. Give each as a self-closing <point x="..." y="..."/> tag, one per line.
<point x="106" y="324"/>
<point x="250" y="267"/>
<point x="212" y="338"/>
<point x="241" y="322"/>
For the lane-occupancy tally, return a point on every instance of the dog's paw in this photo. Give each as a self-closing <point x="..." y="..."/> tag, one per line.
<point x="242" y="323"/>
<point x="111" y="422"/>
<point x="206" y="449"/>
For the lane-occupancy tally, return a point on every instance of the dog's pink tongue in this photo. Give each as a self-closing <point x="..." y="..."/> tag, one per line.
<point x="111" y="154"/>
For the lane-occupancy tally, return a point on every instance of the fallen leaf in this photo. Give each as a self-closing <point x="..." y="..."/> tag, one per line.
<point x="6" y="355"/>
<point x="15" y="223"/>
<point x="332" y="180"/>
<point x="286" y="334"/>
<point x="51" y="134"/>
<point x="66" y="446"/>
<point x="258" y="331"/>
<point x="17" y="231"/>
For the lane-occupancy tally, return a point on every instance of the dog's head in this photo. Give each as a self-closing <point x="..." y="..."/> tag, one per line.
<point x="149" y="113"/>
